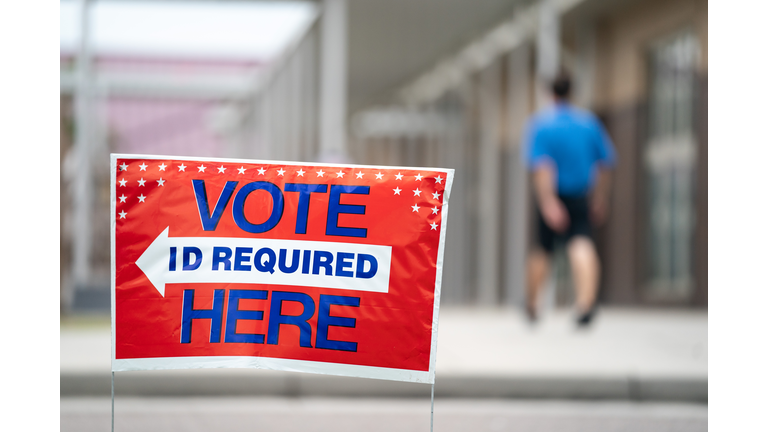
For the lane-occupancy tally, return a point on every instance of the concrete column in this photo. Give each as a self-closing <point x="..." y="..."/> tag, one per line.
<point x="255" y="148"/>
<point x="515" y="192"/>
<point x="431" y="139"/>
<point x="411" y="144"/>
<point x="547" y="49"/>
<point x="266" y="127"/>
<point x="396" y="149"/>
<point x="586" y="51"/>
<point x="279" y="105"/>
<point x="489" y="174"/>
<point x="83" y="179"/>
<point x="455" y="270"/>
<point x="298" y="94"/>
<point x="291" y="120"/>
<point x="251" y="140"/>
<point x="333" y="82"/>
<point x="379" y="150"/>
<point x="311" y="111"/>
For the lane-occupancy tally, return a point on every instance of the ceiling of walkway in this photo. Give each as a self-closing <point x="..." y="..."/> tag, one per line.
<point x="392" y="41"/>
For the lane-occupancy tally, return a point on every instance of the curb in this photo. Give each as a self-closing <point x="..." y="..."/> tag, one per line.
<point x="163" y="384"/>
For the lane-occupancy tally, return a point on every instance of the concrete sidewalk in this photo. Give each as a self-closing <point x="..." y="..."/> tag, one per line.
<point x="630" y="354"/>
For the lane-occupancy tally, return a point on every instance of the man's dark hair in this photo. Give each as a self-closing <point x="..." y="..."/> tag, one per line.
<point x="561" y="86"/>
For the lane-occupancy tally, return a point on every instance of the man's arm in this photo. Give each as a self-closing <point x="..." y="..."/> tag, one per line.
<point x="552" y="209"/>
<point x="599" y="200"/>
<point x="600" y="195"/>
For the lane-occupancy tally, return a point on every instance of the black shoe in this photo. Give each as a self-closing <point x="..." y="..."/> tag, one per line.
<point x="586" y="318"/>
<point x="530" y="312"/>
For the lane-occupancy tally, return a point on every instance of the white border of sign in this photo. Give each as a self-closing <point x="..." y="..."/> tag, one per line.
<point x="339" y="369"/>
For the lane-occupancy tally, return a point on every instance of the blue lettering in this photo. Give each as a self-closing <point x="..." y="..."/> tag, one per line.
<point x="344" y="261"/>
<point x="234" y="313"/>
<point x="360" y="271"/>
<point x="322" y="259"/>
<point x="276" y="317"/>
<point x="305" y="191"/>
<point x="238" y="207"/>
<point x="335" y="208"/>
<point x="324" y="320"/>
<point x="306" y="262"/>
<point x="210" y="221"/>
<point x="186" y="261"/>
<point x="269" y="264"/>
<point x="243" y="262"/>
<point x="172" y="260"/>
<point x="189" y="313"/>
<point x="294" y="261"/>
<point x="222" y="255"/>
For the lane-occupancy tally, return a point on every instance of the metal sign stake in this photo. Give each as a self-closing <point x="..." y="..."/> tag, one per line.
<point x="432" y="412"/>
<point x="113" y="401"/>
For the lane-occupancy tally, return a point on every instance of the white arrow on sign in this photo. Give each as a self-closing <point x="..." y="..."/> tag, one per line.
<point x="349" y="266"/>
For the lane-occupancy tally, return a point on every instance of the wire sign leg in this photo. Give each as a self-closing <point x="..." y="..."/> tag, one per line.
<point x="113" y="402"/>
<point x="432" y="412"/>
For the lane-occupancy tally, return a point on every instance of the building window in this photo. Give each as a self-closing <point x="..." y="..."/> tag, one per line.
<point x="670" y="155"/>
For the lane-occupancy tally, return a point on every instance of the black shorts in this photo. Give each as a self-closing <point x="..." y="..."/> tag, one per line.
<point x="578" y="212"/>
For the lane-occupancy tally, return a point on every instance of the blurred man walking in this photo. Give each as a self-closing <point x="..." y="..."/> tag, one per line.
<point x="570" y="156"/>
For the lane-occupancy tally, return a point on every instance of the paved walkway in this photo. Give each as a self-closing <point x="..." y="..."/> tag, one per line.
<point x="635" y="354"/>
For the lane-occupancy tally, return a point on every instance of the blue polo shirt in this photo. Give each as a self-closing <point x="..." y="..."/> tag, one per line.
<point x="574" y="141"/>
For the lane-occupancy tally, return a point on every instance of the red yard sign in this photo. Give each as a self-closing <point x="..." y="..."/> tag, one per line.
<point x="332" y="269"/>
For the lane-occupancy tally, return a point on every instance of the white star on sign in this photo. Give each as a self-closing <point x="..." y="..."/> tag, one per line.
<point x="434" y="226"/>
<point x="280" y="172"/>
<point x="398" y="176"/>
<point x="340" y="174"/>
<point x="162" y="166"/>
<point x="143" y="167"/>
<point x="241" y="170"/>
<point x="160" y="182"/>
<point x="436" y="195"/>
<point x="320" y="173"/>
<point x="123" y="167"/>
<point x="261" y="171"/>
<point x="415" y="208"/>
<point x="221" y="169"/>
<point x="438" y="179"/>
<point x="201" y="168"/>
<point x="122" y="182"/>
<point x="397" y="190"/>
<point x="182" y="167"/>
<point x="379" y="176"/>
<point x="300" y="172"/>
<point x="142" y="181"/>
<point x="359" y="174"/>
<point x="418" y="177"/>
<point x="142" y="198"/>
<point x="435" y="210"/>
<point x="123" y="214"/>
<point x="416" y="192"/>
<point x="122" y="198"/>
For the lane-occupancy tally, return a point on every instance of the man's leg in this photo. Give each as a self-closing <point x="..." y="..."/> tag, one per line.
<point x="585" y="267"/>
<point x="538" y="269"/>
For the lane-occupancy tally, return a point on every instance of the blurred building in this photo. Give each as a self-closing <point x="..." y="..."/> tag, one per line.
<point x="446" y="83"/>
